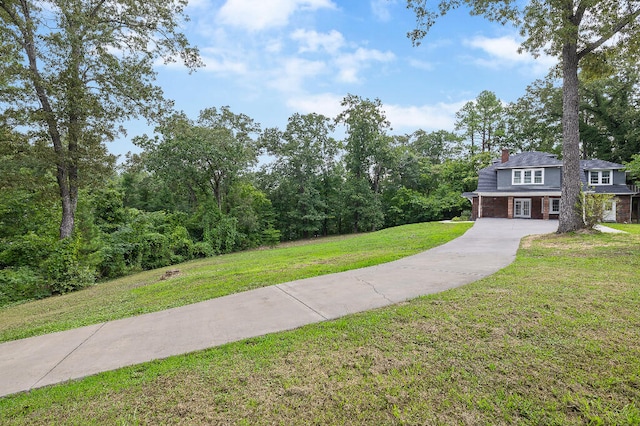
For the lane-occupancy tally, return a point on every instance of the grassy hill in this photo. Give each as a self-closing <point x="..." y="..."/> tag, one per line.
<point x="205" y="279"/>
<point x="552" y="339"/>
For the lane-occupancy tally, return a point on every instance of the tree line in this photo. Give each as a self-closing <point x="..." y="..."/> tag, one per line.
<point x="220" y="183"/>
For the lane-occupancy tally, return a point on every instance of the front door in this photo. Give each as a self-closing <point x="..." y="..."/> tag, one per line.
<point x="609" y="211"/>
<point x="522" y="207"/>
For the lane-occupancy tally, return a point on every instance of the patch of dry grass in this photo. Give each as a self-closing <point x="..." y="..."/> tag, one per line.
<point x="552" y="339"/>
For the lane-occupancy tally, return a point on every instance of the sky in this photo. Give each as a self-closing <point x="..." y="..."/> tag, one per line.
<point x="269" y="59"/>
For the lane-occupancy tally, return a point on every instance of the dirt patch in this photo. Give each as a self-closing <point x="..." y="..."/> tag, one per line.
<point x="170" y="274"/>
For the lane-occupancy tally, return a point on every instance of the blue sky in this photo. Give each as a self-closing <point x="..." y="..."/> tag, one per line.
<point x="272" y="58"/>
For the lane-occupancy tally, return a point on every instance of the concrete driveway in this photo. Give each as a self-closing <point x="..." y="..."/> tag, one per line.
<point x="488" y="246"/>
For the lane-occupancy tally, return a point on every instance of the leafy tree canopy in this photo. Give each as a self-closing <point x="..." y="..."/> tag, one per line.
<point x="72" y="70"/>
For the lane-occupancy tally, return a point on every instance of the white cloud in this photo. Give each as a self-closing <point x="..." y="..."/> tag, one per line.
<point x="421" y="65"/>
<point x="223" y="66"/>
<point x="327" y="104"/>
<point x="223" y="62"/>
<point x="380" y="9"/>
<point x="403" y="118"/>
<point x="256" y="15"/>
<point x="503" y="53"/>
<point x="351" y="64"/>
<point x="274" y="46"/>
<point x="440" y="116"/>
<point x="198" y="4"/>
<point x="295" y="70"/>
<point x="312" y="41"/>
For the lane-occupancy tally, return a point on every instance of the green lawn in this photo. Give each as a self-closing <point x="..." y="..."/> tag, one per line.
<point x="630" y="228"/>
<point x="552" y="339"/>
<point x="219" y="276"/>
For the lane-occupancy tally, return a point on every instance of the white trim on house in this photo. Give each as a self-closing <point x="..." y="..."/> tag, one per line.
<point x="520" y="194"/>
<point x="551" y="202"/>
<point x="602" y="177"/>
<point x="522" y="208"/>
<point x="528" y="176"/>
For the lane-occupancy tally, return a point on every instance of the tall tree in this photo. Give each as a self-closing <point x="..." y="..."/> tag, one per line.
<point x="577" y="32"/>
<point x="305" y="158"/>
<point x="610" y="116"/>
<point x="482" y="118"/>
<point x="468" y="123"/>
<point x="77" y="68"/>
<point x="368" y="154"/>
<point x="205" y="157"/>
<point x="491" y="115"/>
<point x="534" y="121"/>
<point x="436" y="146"/>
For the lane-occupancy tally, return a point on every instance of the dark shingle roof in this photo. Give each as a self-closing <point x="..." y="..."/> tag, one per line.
<point x="530" y="159"/>
<point x="488" y="179"/>
<point x="599" y="164"/>
<point x="611" y="189"/>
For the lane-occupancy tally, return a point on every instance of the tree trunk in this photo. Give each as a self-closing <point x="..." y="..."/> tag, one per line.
<point x="65" y="171"/>
<point x="69" y="204"/>
<point x="570" y="216"/>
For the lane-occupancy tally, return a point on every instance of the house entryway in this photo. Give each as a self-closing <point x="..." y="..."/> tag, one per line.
<point x="609" y="212"/>
<point x="522" y="208"/>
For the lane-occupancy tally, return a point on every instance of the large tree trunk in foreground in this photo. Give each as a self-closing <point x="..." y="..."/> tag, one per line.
<point x="570" y="216"/>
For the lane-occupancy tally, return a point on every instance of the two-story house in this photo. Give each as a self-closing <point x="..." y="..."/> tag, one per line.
<point x="528" y="185"/>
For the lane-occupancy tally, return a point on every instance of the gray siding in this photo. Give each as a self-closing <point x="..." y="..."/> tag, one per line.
<point x="619" y="177"/>
<point x="552" y="180"/>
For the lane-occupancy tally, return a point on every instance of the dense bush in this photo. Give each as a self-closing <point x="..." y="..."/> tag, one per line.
<point x="21" y="283"/>
<point x="63" y="270"/>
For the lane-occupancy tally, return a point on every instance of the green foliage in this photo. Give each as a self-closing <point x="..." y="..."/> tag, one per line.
<point x="534" y="121"/>
<point x="368" y="157"/>
<point x="254" y="214"/>
<point x="63" y="271"/>
<point x="633" y="168"/>
<point x="271" y="237"/>
<point x="482" y="123"/>
<point x="222" y="234"/>
<point x="203" y="158"/>
<point x="28" y="250"/>
<point x="305" y="157"/>
<point x="593" y="207"/>
<point x="18" y="284"/>
<point x="74" y="70"/>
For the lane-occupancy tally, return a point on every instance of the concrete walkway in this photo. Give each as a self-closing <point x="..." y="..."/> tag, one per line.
<point x="488" y="246"/>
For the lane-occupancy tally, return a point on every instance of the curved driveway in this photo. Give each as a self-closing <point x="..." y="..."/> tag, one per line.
<point x="488" y="246"/>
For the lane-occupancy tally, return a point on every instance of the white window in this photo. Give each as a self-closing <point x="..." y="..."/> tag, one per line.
<point x="527" y="177"/>
<point x="600" y="177"/>
<point x="554" y="206"/>
<point x="517" y="177"/>
<point x="537" y="176"/>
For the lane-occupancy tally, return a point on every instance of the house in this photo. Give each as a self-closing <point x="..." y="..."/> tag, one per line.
<point x="528" y="185"/>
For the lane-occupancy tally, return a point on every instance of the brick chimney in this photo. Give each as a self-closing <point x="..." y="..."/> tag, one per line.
<point x="505" y="155"/>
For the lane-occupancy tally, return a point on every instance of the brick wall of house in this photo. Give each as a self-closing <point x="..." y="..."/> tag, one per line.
<point x="499" y="207"/>
<point x="623" y="209"/>
<point x="536" y="208"/>
<point x="474" y="208"/>
<point x="495" y="207"/>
